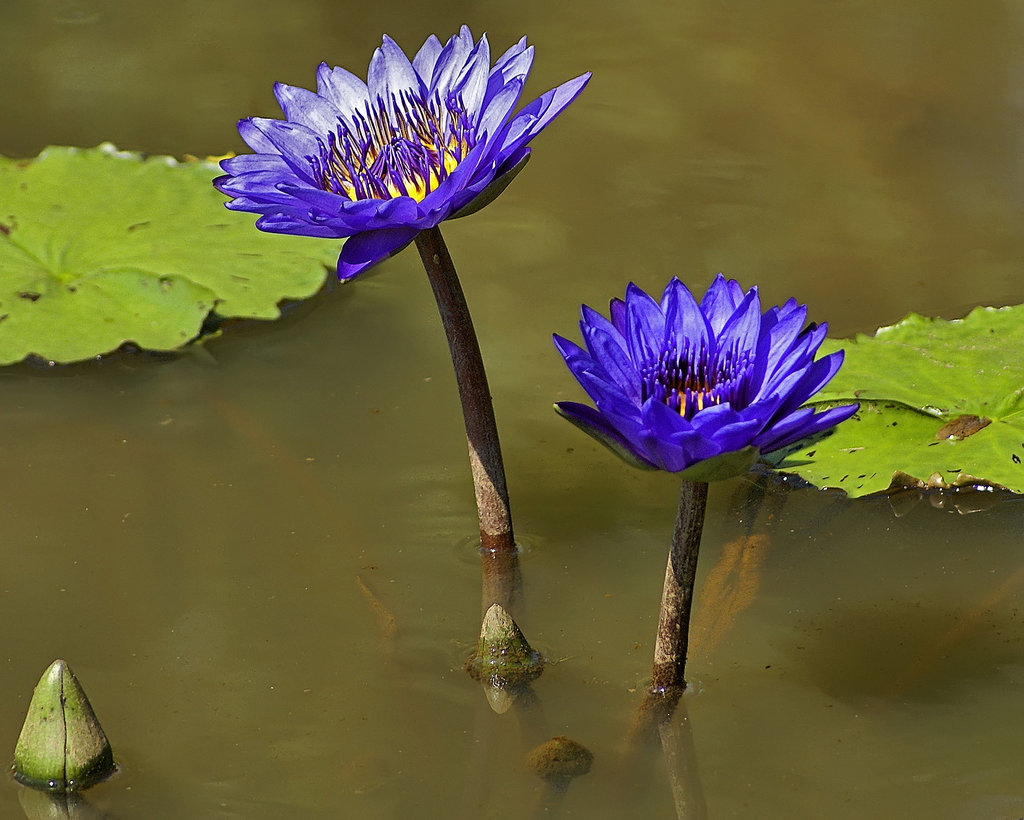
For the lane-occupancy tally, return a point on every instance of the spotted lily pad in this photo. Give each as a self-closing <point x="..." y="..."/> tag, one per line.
<point x="942" y="404"/>
<point x="100" y="247"/>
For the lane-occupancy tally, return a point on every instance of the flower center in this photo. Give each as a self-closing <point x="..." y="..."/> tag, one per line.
<point x="687" y="381"/>
<point x="400" y="146"/>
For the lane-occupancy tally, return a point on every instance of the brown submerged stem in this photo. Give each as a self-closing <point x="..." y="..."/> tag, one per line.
<point x="481" y="430"/>
<point x="668" y="676"/>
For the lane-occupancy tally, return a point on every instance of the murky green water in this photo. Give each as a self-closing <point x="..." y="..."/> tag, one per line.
<point x="256" y="557"/>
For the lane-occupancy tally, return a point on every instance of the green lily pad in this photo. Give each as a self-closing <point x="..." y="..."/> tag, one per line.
<point x="100" y="247"/>
<point x="942" y="403"/>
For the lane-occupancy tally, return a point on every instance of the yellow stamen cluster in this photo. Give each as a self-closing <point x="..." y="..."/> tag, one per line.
<point x="401" y="147"/>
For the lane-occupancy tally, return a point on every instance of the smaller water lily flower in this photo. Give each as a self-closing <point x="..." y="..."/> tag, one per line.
<point x="699" y="389"/>
<point x="421" y="141"/>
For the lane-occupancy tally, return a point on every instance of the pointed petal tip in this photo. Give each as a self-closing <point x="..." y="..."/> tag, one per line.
<point x="634" y="290"/>
<point x="567" y="349"/>
<point x="595" y="425"/>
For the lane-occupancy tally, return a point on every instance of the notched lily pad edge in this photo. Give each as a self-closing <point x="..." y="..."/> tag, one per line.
<point x="287" y="308"/>
<point x="212" y="327"/>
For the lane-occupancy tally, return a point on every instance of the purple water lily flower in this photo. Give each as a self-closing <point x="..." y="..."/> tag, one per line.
<point x="677" y="384"/>
<point x="419" y="142"/>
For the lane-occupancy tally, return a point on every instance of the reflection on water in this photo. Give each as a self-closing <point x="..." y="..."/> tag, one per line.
<point x="251" y="554"/>
<point x="42" y="806"/>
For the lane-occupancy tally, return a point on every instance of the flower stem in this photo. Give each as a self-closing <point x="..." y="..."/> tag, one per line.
<point x="667" y="678"/>
<point x="481" y="430"/>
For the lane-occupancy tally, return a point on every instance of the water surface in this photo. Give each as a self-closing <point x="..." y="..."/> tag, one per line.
<point x="257" y="557"/>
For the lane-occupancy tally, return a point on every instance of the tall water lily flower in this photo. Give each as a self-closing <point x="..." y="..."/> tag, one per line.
<point x="677" y="384"/>
<point x="419" y="142"/>
<point x="699" y="390"/>
<point x="382" y="163"/>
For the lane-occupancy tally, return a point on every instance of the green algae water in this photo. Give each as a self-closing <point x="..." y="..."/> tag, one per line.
<point x="259" y="554"/>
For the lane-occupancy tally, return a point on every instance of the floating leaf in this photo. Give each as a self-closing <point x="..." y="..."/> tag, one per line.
<point x="941" y="402"/>
<point x="100" y="247"/>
